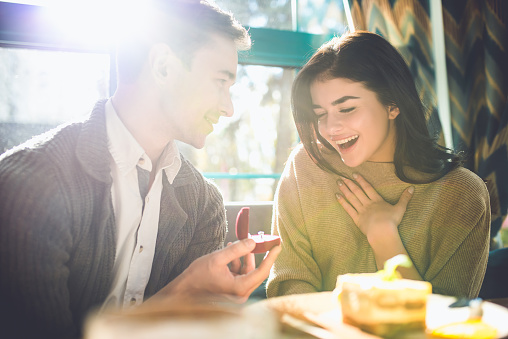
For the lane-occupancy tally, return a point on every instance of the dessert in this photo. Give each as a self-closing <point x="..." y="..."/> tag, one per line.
<point x="382" y="303"/>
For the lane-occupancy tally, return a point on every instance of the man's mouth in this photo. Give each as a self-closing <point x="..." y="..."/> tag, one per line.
<point x="347" y="142"/>
<point x="210" y="121"/>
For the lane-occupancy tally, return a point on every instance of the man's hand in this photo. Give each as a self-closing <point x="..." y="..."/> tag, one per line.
<point x="238" y="266"/>
<point x="211" y="275"/>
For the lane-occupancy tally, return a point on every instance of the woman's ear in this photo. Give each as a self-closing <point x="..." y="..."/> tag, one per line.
<point x="393" y="112"/>
<point x="163" y="63"/>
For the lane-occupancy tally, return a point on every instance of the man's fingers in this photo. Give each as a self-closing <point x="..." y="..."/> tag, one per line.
<point x="235" y="266"/>
<point x="235" y="250"/>
<point x="249" y="263"/>
<point x="253" y="279"/>
<point x="405" y="197"/>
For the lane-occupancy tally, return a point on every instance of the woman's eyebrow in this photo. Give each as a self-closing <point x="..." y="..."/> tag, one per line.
<point x="343" y="99"/>
<point x="339" y="101"/>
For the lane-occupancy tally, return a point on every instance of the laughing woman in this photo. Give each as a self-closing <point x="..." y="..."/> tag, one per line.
<point x="369" y="182"/>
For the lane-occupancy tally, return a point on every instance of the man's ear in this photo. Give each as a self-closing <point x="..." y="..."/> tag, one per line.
<point x="393" y="112"/>
<point x="163" y="62"/>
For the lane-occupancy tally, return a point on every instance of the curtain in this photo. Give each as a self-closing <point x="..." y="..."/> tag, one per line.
<point x="477" y="64"/>
<point x="406" y="24"/>
<point x="476" y="39"/>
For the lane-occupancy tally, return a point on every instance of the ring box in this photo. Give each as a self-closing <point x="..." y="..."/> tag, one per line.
<point x="264" y="242"/>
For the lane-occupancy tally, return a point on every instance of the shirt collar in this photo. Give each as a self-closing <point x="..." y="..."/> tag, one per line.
<point x="127" y="153"/>
<point x="124" y="148"/>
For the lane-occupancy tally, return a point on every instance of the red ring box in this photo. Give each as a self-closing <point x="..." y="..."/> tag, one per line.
<point x="264" y="242"/>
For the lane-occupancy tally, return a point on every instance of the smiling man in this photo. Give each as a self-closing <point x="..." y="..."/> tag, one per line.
<point x="107" y="212"/>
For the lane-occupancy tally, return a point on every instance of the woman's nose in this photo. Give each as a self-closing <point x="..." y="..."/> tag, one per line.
<point x="333" y="124"/>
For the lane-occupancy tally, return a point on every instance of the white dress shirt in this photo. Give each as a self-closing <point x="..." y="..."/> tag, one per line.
<point x="136" y="226"/>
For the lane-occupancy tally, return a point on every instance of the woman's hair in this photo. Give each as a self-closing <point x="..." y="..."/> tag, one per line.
<point x="185" y="25"/>
<point x="370" y="59"/>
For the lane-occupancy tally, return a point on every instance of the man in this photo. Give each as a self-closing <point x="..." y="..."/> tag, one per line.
<point x="106" y="212"/>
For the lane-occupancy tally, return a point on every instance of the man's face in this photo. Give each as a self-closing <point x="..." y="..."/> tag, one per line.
<point x="200" y="94"/>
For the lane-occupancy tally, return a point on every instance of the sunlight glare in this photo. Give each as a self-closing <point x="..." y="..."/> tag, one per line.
<point x="97" y="22"/>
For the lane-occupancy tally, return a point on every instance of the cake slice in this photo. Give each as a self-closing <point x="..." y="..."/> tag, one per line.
<point x="382" y="303"/>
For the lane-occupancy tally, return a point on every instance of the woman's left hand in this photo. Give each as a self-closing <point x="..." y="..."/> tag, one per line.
<point x="370" y="212"/>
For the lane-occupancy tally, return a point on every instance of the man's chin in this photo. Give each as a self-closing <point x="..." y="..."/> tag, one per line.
<point x="198" y="144"/>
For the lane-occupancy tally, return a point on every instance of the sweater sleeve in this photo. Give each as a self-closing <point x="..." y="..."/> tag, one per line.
<point x="295" y="270"/>
<point x="35" y="245"/>
<point x="461" y="242"/>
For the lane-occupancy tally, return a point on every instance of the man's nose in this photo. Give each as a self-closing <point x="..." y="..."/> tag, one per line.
<point x="226" y="106"/>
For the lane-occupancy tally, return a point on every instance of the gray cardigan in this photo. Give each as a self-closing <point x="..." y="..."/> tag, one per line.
<point x="57" y="229"/>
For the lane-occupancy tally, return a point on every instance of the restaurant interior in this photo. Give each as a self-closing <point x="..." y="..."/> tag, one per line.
<point x="52" y="58"/>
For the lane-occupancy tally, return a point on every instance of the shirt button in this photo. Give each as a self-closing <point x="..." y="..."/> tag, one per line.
<point x="133" y="301"/>
<point x="140" y="249"/>
<point x="141" y="161"/>
<point x="147" y="199"/>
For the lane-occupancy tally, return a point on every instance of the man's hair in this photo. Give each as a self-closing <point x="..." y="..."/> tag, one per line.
<point x="184" y="25"/>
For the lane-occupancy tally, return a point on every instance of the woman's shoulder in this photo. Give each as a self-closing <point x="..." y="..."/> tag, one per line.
<point x="462" y="186"/>
<point x="299" y="154"/>
<point x="300" y="158"/>
<point x="465" y="178"/>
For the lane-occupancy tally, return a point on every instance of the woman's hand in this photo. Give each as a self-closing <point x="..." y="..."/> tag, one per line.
<point x="368" y="209"/>
<point x="377" y="219"/>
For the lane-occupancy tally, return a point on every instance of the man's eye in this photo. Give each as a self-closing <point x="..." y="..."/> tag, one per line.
<point x="221" y="82"/>
<point x="347" y="110"/>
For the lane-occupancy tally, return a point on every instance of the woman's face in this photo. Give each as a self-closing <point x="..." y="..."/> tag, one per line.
<point x="354" y="121"/>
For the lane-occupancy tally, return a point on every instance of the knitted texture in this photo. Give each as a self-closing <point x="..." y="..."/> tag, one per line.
<point x="445" y="228"/>
<point x="58" y="233"/>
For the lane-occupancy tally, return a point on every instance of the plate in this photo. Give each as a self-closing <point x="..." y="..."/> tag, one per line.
<point x="323" y="309"/>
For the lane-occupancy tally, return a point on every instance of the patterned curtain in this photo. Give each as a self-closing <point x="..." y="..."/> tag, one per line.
<point x="476" y="39"/>
<point x="406" y="24"/>
<point x="477" y="66"/>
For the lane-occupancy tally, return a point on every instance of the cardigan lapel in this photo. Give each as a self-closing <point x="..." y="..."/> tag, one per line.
<point x="92" y="145"/>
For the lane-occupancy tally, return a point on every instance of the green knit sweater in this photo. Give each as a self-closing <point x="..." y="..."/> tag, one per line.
<point x="58" y="232"/>
<point x="445" y="230"/>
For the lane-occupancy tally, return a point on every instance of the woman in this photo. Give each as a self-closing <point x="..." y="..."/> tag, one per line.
<point x="369" y="182"/>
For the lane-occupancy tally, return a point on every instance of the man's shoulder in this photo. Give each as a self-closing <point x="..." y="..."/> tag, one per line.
<point x="189" y="174"/>
<point x="53" y="143"/>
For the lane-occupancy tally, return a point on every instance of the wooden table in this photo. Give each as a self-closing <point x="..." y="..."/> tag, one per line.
<point x="316" y="315"/>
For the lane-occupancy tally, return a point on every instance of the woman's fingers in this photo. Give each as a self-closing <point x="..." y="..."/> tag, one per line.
<point x="404" y="199"/>
<point x="347" y="207"/>
<point x="370" y="192"/>
<point x="353" y="193"/>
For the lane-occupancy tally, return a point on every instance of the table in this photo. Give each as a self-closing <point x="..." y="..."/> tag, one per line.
<point x="500" y="301"/>
<point x="315" y="315"/>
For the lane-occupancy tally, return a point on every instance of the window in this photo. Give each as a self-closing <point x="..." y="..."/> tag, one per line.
<point x="42" y="89"/>
<point x="244" y="155"/>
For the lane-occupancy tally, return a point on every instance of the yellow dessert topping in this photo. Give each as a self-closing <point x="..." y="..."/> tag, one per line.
<point x="389" y="271"/>
<point x="469" y="329"/>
